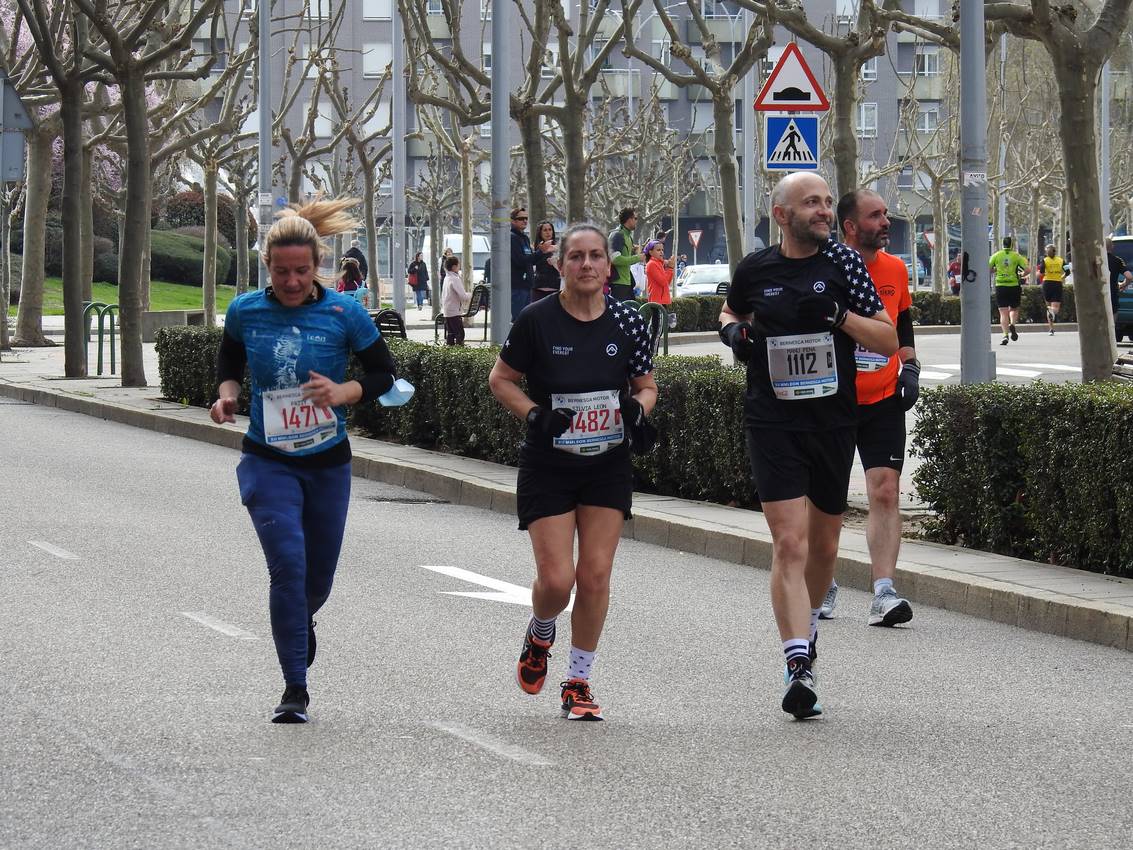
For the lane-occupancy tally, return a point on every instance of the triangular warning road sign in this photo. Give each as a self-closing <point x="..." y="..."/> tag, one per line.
<point x="792" y="149"/>
<point x="791" y="86"/>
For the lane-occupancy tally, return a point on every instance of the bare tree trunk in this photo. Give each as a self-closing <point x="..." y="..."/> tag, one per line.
<point x="370" y="221"/>
<point x="1036" y="246"/>
<point x="575" y="160"/>
<point x="536" y="168"/>
<point x="208" y="272"/>
<point x="940" y="248"/>
<point x="241" y="246"/>
<point x="845" y="143"/>
<point x="1077" y="92"/>
<point x="436" y="240"/>
<point x="86" y="225"/>
<point x="1061" y="231"/>
<point x="724" y="148"/>
<point x="132" y="287"/>
<point x="147" y="254"/>
<point x="29" y="319"/>
<point x="74" y="338"/>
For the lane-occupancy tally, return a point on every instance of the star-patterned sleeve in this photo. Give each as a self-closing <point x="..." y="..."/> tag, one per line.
<point x="861" y="292"/>
<point x="630" y="321"/>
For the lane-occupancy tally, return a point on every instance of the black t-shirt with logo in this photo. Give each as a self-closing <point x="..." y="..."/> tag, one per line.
<point x="561" y="354"/>
<point x="811" y="364"/>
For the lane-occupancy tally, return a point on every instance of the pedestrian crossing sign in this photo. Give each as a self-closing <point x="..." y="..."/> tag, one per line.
<point x="791" y="142"/>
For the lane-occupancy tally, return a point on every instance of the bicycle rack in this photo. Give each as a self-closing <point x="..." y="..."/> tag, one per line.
<point x="104" y="311"/>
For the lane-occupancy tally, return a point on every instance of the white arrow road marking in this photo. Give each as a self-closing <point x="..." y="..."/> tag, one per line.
<point x="935" y="376"/>
<point x="502" y="591"/>
<point x="493" y="745"/>
<point x="54" y="550"/>
<point x="1016" y="373"/>
<point x="221" y="626"/>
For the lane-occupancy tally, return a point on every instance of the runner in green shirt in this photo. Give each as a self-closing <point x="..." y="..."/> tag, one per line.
<point x="1007" y="264"/>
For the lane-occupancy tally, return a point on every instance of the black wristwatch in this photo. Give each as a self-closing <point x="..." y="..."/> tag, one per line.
<point x="532" y="415"/>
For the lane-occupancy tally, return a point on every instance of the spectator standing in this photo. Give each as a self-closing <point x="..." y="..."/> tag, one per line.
<point x="350" y="275"/>
<point x="623" y="255"/>
<point x="547" y="279"/>
<point x="1119" y="278"/>
<point x="453" y="297"/>
<point x="356" y="253"/>
<point x="682" y="264"/>
<point x="954" y="275"/>
<point x="522" y="263"/>
<point x="418" y="277"/>
<point x="659" y="273"/>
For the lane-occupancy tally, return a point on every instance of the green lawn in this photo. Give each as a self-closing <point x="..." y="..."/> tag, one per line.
<point x="163" y="296"/>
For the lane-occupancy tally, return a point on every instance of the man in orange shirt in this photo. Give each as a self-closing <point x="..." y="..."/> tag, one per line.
<point x="887" y="388"/>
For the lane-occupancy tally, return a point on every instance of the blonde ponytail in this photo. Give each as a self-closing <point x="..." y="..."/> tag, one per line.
<point x="307" y="224"/>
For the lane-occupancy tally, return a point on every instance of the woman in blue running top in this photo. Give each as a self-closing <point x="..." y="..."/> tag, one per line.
<point x="294" y="473"/>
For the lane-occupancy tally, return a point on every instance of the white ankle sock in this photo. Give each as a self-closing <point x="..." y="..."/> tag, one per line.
<point x="882" y="584"/>
<point x="814" y="623"/>
<point x="580" y="663"/>
<point x="796" y="648"/>
<point x="542" y="629"/>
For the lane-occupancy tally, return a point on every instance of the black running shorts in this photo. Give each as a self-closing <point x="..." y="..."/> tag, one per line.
<point x="790" y="464"/>
<point x="1052" y="291"/>
<point x="881" y="434"/>
<point x="543" y="491"/>
<point x="1008" y="296"/>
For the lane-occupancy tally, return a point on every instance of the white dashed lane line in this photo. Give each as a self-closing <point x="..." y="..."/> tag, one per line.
<point x="220" y="626"/>
<point x="54" y="550"/>
<point x="493" y="745"/>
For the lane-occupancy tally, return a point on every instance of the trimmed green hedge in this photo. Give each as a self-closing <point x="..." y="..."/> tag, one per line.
<point x="701" y="453"/>
<point x="1040" y="471"/>
<point x="178" y="258"/>
<point x="930" y="308"/>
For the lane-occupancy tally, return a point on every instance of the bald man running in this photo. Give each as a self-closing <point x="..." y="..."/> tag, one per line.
<point x="795" y="314"/>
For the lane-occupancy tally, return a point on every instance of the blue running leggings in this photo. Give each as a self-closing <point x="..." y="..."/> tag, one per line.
<point x="300" y="516"/>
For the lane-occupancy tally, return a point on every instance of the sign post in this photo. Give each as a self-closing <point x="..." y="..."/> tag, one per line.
<point x="790" y="137"/>
<point x="694" y="238"/>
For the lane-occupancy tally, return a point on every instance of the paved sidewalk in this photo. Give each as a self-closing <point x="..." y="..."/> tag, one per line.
<point x="1034" y="596"/>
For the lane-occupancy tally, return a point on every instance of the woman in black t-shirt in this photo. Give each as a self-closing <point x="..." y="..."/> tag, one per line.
<point x="586" y="358"/>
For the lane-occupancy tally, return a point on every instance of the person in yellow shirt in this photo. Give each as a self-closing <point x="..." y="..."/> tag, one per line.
<point x="1053" y="270"/>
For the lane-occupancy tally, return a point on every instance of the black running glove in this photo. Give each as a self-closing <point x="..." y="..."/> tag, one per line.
<point x="821" y="310"/>
<point x="909" y="383"/>
<point x="642" y="434"/>
<point x="740" y="337"/>
<point x="550" y="423"/>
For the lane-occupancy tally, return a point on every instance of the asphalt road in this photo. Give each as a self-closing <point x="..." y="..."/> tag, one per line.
<point x="1035" y="356"/>
<point x="129" y="724"/>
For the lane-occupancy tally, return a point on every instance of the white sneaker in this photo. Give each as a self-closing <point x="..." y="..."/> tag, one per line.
<point x="889" y="609"/>
<point x="826" y="610"/>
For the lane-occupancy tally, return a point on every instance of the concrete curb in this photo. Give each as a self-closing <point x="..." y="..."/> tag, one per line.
<point x="966" y="581"/>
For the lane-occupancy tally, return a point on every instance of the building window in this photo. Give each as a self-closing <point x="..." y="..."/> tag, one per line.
<point x="659" y="50"/>
<point x="928" y="119"/>
<point x="866" y="168"/>
<point x="550" y="62"/>
<point x="869" y="69"/>
<point x="379" y="121"/>
<point x="767" y="64"/>
<point x="376" y="58"/>
<point x="433" y="7"/>
<point x="324" y="122"/>
<point x="485" y="10"/>
<point x="377" y="10"/>
<point x="905" y="178"/>
<point x="867" y="121"/>
<point x="927" y="61"/>
<point x="928" y="9"/>
<point x="715" y="9"/>
<point x="595" y="50"/>
<point x="846" y="11"/>
<point x="317" y="9"/>
<point x="203" y="48"/>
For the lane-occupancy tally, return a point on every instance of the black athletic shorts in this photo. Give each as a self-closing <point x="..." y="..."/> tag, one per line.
<point x="790" y="464"/>
<point x="881" y="434"/>
<point x="1008" y="296"/>
<point x="1052" y="291"/>
<point x="543" y="490"/>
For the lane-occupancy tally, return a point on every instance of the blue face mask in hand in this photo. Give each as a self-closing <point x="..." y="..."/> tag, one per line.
<point x="398" y="394"/>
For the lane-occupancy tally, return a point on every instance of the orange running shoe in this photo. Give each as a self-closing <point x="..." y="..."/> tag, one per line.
<point x="578" y="703"/>
<point x="531" y="671"/>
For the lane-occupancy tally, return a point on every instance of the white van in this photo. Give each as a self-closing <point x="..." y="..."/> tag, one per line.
<point x="481" y="250"/>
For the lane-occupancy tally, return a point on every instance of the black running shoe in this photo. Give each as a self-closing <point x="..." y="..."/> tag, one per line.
<point x="1003" y="341"/>
<point x="801" y="696"/>
<point x="1014" y="334"/>
<point x="311" y="642"/>
<point x="292" y="706"/>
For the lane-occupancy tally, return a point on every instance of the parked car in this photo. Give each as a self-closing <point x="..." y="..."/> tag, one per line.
<point x="917" y="277"/>
<point x="703" y="279"/>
